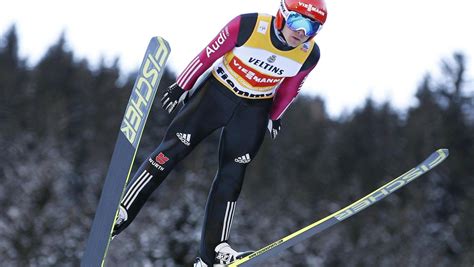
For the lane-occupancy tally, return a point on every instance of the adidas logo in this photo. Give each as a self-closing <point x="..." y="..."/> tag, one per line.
<point x="184" y="138"/>
<point x="243" y="159"/>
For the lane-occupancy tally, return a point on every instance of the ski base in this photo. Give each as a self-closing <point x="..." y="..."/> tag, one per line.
<point x="131" y="129"/>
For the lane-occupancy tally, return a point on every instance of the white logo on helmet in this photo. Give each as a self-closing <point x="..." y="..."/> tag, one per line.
<point x="310" y="8"/>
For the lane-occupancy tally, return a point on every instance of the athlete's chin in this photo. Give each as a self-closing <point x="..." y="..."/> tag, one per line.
<point x="294" y="41"/>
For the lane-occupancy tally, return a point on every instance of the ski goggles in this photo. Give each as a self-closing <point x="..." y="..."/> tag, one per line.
<point x="295" y="21"/>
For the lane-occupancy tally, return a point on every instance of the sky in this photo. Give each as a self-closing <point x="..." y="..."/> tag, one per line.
<point x="380" y="49"/>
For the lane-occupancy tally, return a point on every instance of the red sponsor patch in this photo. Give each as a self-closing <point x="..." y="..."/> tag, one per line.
<point x="252" y="76"/>
<point x="161" y="158"/>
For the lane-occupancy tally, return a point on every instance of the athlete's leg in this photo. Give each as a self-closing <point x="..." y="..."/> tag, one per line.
<point x="197" y="119"/>
<point x="240" y="140"/>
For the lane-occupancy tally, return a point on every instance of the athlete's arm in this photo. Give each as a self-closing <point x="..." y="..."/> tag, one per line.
<point x="225" y="41"/>
<point x="290" y="86"/>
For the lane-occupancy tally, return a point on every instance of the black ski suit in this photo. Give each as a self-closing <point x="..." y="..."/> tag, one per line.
<point x="221" y="103"/>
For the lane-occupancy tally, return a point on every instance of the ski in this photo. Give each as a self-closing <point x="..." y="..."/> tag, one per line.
<point x="131" y="129"/>
<point x="432" y="161"/>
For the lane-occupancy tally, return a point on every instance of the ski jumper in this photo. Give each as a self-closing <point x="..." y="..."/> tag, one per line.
<point x="255" y="78"/>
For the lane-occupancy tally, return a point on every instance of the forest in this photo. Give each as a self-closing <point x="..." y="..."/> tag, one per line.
<point x="59" y="120"/>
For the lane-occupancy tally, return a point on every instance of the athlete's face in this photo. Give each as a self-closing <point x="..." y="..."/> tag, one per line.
<point x="293" y="38"/>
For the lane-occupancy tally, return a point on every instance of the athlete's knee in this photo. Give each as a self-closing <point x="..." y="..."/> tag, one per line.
<point x="227" y="185"/>
<point x="167" y="155"/>
<point x="159" y="162"/>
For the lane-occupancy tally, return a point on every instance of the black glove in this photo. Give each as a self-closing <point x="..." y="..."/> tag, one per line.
<point x="274" y="127"/>
<point x="172" y="97"/>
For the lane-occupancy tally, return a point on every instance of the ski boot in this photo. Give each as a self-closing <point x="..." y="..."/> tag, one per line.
<point x="199" y="263"/>
<point x="226" y="255"/>
<point x="121" y="218"/>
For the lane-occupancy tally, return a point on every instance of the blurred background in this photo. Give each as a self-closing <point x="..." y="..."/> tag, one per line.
<point x="60" y="115"/>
